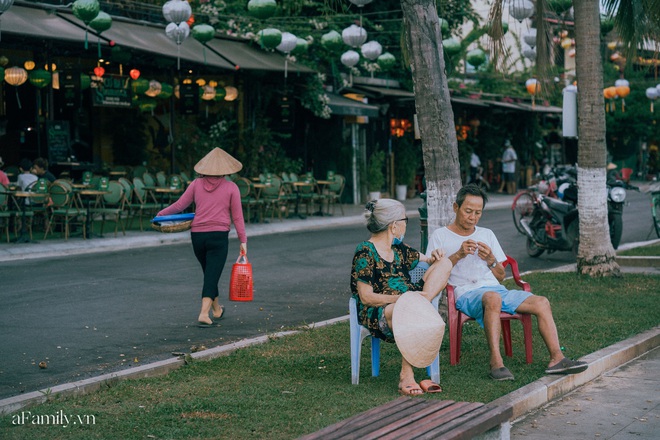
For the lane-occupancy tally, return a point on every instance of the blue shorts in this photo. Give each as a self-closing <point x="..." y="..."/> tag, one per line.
<point x="470" y="302"/>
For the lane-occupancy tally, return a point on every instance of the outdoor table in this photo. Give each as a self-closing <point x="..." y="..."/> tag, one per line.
<point x="258" y="187"/>
<point x="117" y="173"/>
<point x="91" y="195"/>
<point x="322" y="184"/>
<point x="79" y="186"/>
<point x="297" y="186"/>
<point x="23" y="206"/>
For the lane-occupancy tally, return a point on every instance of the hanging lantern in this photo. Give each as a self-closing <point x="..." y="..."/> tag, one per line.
<point x="270" y="38"/>
<point x="386" y="61"/>
<point x="86" y="11"/>
<point x="99" y="71"/>
<point x="3" y="60"/>
<point x="134" y="73"/>
<point x="165" y="91"/>
<point x="177" y="11"/>
<point x="207" y="93"/>
<point x="139" y="86"/>
<point x="354" y="36"/>
<point x="615" y="57"/>
<point x="444" y="27"/>
<point x="622" y="88"/>
<point x="262" y="9"/>
<point x="566" y="43"/>
<point x="533" y="86"/>
<point x="606" y="25"/>
<point x="371" y="50"/>
<point x="16" y="76"/>
<point x="529" y="37"/>
<point x="350" y="58"/>
<point x="529" y="52"/>
<point x="288" y="43"/>
<point x="40" y="78"/>
<point x="177" y="33"/>
<point x="203" y="33"/>
<point x="154" y="89"/>
<point x="190" y="21"/>
<point x="147" y="104"/>
<point x="609" y="92"/>
<point x="451" y="46"/>
<point x="652" y="93"/>
<point x="301" y="46"/>
<point x="521" y="9"/>
<point x="332" y="40"/>
<point x="231" y="93"/>
<point x="220" y="93"/>
<point x="476" y="57"/>
<point x="612" y="45"/>
<point x="102" y="22"/>
<point x="29" y="65"/>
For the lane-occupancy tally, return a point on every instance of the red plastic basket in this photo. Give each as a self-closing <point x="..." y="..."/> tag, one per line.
<point x="240" y="285"/>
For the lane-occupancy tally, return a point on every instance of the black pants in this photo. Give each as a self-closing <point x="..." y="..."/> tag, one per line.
<point x="211" y="250"/>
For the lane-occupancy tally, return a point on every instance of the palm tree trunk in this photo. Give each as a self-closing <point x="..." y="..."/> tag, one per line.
<point x="434" y="113"/>
<point x="596" y="256"/>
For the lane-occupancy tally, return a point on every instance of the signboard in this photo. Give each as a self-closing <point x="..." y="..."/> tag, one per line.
<point x="70" y="86"/>
<point x="111" y="91"/>
<point x="189" y="99"/>
<point x="59" y="141"/>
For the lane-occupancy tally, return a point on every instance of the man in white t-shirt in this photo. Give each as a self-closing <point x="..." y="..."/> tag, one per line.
<point x="477" y="258"/>
<point x="509" y="158"/>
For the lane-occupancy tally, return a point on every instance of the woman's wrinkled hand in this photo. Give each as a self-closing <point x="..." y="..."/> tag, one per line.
<point x="244" y="248"/>
<point x="436" y="255"/>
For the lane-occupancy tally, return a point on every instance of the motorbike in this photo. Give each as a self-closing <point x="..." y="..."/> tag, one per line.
<point x="616" y="196"/>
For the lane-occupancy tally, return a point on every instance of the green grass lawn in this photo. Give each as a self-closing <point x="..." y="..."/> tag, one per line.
<point x="302" y="383"/>
<point x="652" y="250"/>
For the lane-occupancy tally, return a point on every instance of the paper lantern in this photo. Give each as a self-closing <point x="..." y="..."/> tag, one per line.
<point x="652" y="93"/>
<point x="177" y="32"/>
<point x="566" y="43"/>
<point x="134" y="73"/>
<point x="288" y="43"/>
<point x="165" y="91"/>
<point x="301" y="46"/>
<point x="208" y="93"/>
<point x="521" y="9"/>
<point x="203" y="33"/>
<point x="444" y="27"/>
<point x="606" y="25"/>
<point x="371" y="50"/>
<point x="154" y="89"/>
<point x="86" y="10"/>
<point x="622" y="87"/>
<point x="533" y="86"/>
<point x="270" y="38"/>
<point x="177" y="11"/>
<point x="220" y="94"/>
<point x="476" y="57"/>
<point x="354" y="36"/>
<point x="529" y="52"/>
<point x="5" y="5"/>
<point x="102" y="22"/>
<point x="332" y="40"/>
<point x="529" y="37"/>
<point x="40" y="78"/>
<point x="451" y="46"/>
<point x="139" y="86"/>
<point x="147" y="104"/>
<point x="386" y="61"/>
<point x="350" y="58"/>
<point x="262" y="9"/>
<point x="99" y="71"/>
<point x="3" y="60"/>
<point x="612" y="45"/>
<point x="609" y="92"/>
<point x="231" y="93"/>
<point x="29" y="65"/>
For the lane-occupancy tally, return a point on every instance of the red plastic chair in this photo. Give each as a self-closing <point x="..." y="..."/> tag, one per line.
<point x="457" y="319"/>
<point x="625" y="174"/>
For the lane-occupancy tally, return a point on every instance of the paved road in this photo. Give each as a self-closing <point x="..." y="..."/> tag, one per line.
<point x="92" y="314"/>
<point x="620" y="405"/>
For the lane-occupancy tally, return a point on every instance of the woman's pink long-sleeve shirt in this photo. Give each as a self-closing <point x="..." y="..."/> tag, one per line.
<point x="217" y="203"/>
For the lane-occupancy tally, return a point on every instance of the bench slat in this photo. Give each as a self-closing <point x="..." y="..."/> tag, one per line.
<point x="405" y="419"/>
<point x="468" y="425"/>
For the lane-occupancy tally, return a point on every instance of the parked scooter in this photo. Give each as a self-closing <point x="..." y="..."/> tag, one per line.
<point x="616" y="196"/>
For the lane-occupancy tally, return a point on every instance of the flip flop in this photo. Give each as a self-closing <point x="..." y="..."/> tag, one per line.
<point x="408" y="390"/>
<point x="501" y="374"/>
<point x="222" y="315"/>
<point x="567" y="366"/>
<point x="430" y="387"/>
<point x="201" y="324"/>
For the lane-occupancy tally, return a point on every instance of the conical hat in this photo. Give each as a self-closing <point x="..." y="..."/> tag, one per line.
<point x="218" y="163"/>
<point x="418" y="329"/>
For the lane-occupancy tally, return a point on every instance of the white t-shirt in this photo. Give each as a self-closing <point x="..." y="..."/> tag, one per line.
<point x="509" y="159"/>
<point x="474" y="161"/>
<point x="471" y="272"/>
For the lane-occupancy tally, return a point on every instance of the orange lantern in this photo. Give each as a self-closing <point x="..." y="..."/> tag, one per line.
<point x="191" y="21"/>
<point x="609" y="92"/>
<point x="135" y="74"/>
<point x="622" y="88"/>
<point x="566" y="43"/>
<point x="99" y="71"/>
<point x="533" y="86"/>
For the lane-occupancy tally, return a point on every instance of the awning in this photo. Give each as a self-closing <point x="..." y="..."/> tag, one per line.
<point x="40" y="23"/>
<point x="349" y="107"/>
<point x="245" y="56"/>
<point x="385" y="91"/>
<point x="468" y="101"/>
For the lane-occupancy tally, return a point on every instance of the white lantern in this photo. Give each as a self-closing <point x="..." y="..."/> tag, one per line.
<point x="289" y="42"/>
<point x="350" y="58"/>
<point x="360" y="3"/>
<point x="16" y="76"/>
<point x="208" y="93"/>
<point x="177" y="11"/>
<point x="530" y="37"/>
<point x="6" y="4"/>
<point x="521" y="9"/>
<point x="651" y="92"/>
<point x="354" y="36"/>
<point x="177" y="32"/>
<point x="371" y="50"/>
<point x="154" y="88"/>
<point x="529" y="52"/>
<point x="231" y="93"/>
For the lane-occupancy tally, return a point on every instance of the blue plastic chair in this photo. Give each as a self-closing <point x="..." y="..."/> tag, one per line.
<point x="358" y="333"/>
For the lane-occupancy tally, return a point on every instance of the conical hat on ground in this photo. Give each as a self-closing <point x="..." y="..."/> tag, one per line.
<point x="418" y="329"/>
<point x="218" y="163"/>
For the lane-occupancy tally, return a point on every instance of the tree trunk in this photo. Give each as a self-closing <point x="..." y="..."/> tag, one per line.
<point x="434" y="113"/>
<point x="596" y="256"/>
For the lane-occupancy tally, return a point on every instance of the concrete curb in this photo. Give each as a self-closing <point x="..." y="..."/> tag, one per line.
<point x="546" y="389"/>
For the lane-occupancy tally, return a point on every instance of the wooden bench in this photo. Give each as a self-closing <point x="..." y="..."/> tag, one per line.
<point x="416" y="418"/>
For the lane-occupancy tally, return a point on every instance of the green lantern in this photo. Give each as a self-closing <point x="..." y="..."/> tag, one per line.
<point x="220" y="94"/>
<point x="386" y="61"/>
<point x="2" y="74"/>
<point x="40" y="78"/>
<point x="270" y="38"/>
<point x="606" y="25"/>
<point x="444" y="27"/>
<point x="86" y="11"/>
<point x="203" y="33"/>
<point x="166" y="91"/>
<point x="4" y="60"/>
<point x="332" y="40"/>
<point x="119" y="55"/>
<point x="139" y="86"/>
<point x="85" y="81"/>
<point x="505" y="27"/>
<point x="102" y="22"/>
<point x="476" y="57"/>
<point x="262" y="9"/>
<point x="301" y="46"/>
<point x="451" y="46"/>
<point x="147" y="104"/>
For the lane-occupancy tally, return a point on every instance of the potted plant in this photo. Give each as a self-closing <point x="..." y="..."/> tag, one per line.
<point x="405" y="168"/>
<point x="375" y="176"/>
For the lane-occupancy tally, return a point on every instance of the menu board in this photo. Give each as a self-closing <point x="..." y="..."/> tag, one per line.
<point x="59" y="140"/>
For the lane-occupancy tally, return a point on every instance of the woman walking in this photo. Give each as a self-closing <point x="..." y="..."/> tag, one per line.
<point x="217" y="204"/>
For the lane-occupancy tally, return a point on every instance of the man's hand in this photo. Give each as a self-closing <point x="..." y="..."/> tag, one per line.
<point x="486" y="253"/>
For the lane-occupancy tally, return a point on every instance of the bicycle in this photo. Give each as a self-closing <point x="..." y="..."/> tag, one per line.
<point x="523" y="206"/>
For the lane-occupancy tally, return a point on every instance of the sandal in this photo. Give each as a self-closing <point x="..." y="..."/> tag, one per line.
<point x="567" y="366"/>
<point x="430" y="387"/>
<point x="501" y="374"/>
<point x="408" y="390"/>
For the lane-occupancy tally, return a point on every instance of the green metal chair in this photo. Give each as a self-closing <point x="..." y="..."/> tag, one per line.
<point x="142" y="204"/>
<point x="65" y="210"/>
<point x="114" y="204"/>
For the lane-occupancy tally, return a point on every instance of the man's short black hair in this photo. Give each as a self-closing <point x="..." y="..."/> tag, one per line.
<point x="470" y="190"/>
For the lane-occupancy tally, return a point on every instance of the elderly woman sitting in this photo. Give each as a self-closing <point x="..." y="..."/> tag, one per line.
<point x="380" y="276"/>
